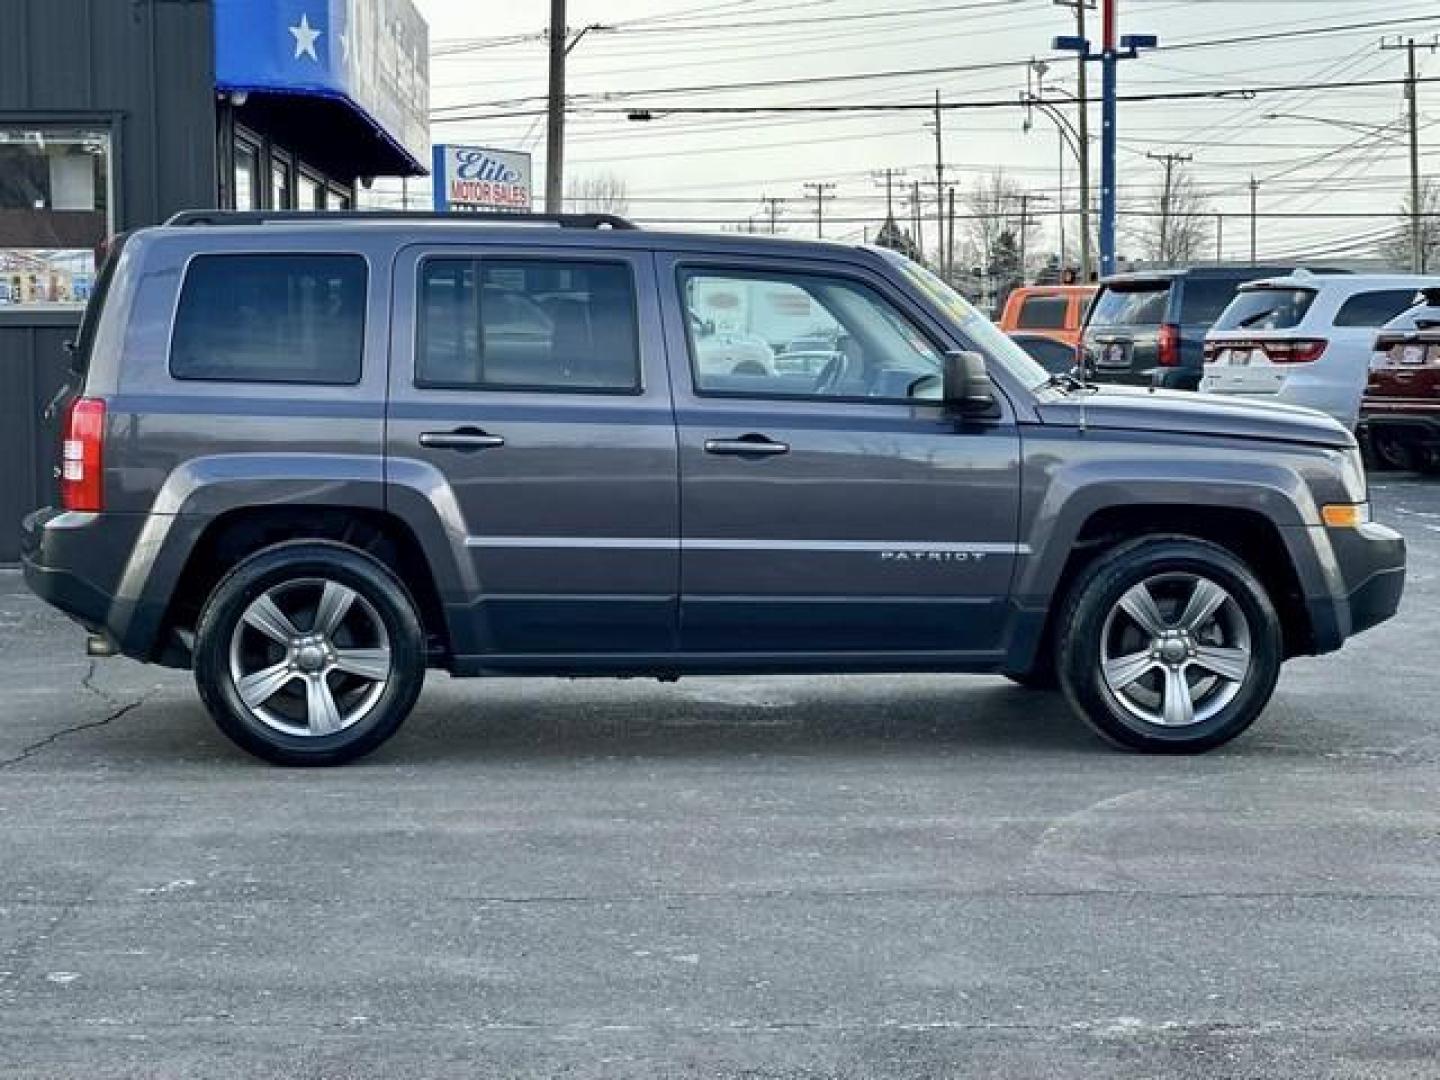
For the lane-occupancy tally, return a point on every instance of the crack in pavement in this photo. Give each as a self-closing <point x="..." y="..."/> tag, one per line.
<point x="118" y="709"/>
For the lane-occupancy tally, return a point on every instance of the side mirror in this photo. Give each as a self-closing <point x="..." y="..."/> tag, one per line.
<point x="967" y="386"/>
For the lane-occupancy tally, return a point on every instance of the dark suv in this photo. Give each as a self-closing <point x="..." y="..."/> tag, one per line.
<point x="1148" y="329"/>
<point x="312" y="456"/>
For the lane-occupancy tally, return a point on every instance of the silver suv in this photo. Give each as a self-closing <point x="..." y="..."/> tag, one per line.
<point x="313" y="456"/>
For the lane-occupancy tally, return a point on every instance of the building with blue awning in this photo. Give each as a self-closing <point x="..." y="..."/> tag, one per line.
<point x="116" y="114"/>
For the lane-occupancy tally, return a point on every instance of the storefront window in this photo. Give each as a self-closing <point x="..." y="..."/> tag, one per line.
<point x="312" y="193"/>
<point x="55" y="212"/>
<point x="280" y="186"/>
<point x="247" y="166"/>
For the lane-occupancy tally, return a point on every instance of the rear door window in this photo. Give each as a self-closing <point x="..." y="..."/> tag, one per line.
<point x="1266" y="309"/>
<point x="1043" y="313"/>
<point x="527" y="324"/>
<point x="1131" y="305"/>
<point x="1374" y="309"/>
<point x="271" y="319"/>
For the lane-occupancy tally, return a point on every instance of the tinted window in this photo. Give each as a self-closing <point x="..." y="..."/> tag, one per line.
<point x="271" y="318"/>
<point x="538" y="324"/>
<point x="1043" y="313"/>
<point x="1144" y="306"/>
<point x="1203" y="299"/>
<point x="740" y="323"/>
<point x="1374" y="308"/>
<point x="1266" y="309"/>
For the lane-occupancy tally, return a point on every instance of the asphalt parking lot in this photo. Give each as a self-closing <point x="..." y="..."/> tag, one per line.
<point x="883" y="876"/>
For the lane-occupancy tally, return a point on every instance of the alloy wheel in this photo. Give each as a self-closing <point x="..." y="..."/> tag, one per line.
<point x="310" y="657"/>
<point x="1175" y="650"/>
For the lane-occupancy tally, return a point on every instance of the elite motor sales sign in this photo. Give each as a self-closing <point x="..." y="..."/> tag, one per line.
<point x="478" y="178"/>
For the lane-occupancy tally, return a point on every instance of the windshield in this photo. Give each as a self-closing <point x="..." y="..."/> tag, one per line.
<point x="1266" y="308"/>
<point x="978" y="332"/>
<point x="1142" y="305"/>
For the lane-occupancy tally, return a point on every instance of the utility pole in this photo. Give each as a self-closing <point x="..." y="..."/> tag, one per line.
<point x="1025" y="200"/>
<point x="773" y="206"/>
<point x="950" y="233"/>
<point x="1412" y="94"/>
<point x="822" y="195"/>
<point x="555" y="133"/>
<point x="1082" y="86"/>
<point x="1219" y="238"/>
<point x="1170" y="162"/>
<point x="915" y="220"/>
<point x="888" y="178"/>
<point x="941" y="255"/>
<point x="1254" y="218"/>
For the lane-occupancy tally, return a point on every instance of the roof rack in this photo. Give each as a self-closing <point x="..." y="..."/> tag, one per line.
<point x="190" y="218"/>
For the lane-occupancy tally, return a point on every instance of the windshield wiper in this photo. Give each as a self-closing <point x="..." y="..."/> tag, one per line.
<point x="1063" y="380"/>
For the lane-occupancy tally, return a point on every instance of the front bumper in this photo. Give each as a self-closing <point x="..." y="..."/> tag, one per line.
<point x="1366" y="575"/>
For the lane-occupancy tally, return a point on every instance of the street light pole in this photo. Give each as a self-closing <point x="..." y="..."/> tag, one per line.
<point x="1110" y="55"/>
<point x="1108" y="73"/>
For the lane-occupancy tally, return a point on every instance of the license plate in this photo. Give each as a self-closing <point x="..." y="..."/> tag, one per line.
<point x="1113" y="356"/>
<point x="1412" y="354"/>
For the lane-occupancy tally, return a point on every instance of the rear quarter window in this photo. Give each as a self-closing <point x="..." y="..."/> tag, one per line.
<point x="1043" y="313"/>
<point x="271" y="319"/>
<point x="1374" y="309"/>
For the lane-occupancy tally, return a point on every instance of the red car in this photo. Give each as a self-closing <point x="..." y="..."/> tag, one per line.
<point x="1400" y="412"/>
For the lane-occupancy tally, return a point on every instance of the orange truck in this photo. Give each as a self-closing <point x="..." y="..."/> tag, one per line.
<point x="1053" y="311"/>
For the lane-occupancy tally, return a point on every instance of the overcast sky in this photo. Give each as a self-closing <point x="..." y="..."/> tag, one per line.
<point x="700" y="172"/>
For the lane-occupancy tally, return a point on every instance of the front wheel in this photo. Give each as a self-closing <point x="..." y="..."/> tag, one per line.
<point x="1169" y="645"/>
<point x="309" y="653"/>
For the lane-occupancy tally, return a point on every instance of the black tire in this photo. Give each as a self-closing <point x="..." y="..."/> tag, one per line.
<point x="381" y="600"/>
<point x="1166" y="564"/>
<point x="1389" y="453"/>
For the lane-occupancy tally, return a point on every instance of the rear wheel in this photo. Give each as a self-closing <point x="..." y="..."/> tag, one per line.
<point x="1388" y="451"/>
<point x="309" y="653"/>
<point x="1170" y="645"/>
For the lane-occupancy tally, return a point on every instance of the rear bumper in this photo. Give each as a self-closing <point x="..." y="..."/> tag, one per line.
<point x="77" y="562"/>
<point x="1162" y="378"/>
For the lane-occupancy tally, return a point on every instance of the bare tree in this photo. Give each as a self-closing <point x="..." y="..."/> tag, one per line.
<point x="1177" y="223"/>
<point x="598" y="193"/>
<point x="995" y="204"/>
<point x="1395" y="249"/>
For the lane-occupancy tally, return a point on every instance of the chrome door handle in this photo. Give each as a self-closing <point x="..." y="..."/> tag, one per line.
<point x="747" y="446"/>
<point x="461" y="440"/>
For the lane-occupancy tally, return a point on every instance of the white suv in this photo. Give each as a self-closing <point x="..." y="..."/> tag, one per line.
<point x="1305" y="339"/>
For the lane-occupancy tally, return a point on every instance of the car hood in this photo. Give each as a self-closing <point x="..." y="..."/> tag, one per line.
<point x="1175" y="412"/>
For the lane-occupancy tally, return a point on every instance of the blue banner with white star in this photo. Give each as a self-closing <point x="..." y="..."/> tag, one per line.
<point x="372" y="54"/>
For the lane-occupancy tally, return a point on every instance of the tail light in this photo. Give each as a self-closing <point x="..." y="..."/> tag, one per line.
<point x="1301" y="351"/>
<point x="1276" y="350"/>
<point x="1168" y="345"/>
<point x="82" y="456"/>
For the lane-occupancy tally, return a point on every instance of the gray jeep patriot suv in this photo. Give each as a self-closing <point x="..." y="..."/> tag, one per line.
<point x="313" y="456"/>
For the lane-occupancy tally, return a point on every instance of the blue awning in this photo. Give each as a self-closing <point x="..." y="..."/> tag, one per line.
<point x="371" y="57"/>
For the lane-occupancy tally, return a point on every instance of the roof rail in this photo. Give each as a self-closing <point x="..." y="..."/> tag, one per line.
<point x="190" y="218"/>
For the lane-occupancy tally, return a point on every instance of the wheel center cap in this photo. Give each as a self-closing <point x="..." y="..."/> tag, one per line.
<point x="1173" y="650"/>
<point x="310" y="658"/>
